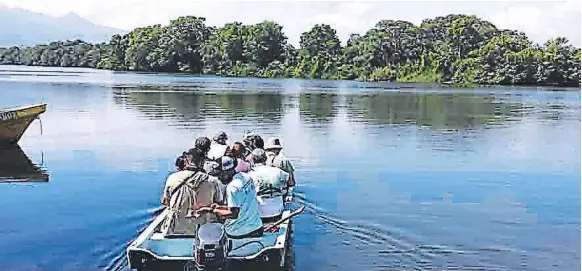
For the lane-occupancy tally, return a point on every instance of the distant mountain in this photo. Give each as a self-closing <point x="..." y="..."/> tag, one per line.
<point x="20" y="27"/>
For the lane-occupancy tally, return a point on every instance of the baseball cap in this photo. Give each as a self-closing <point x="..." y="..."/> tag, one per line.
<point x="226" y="163"/>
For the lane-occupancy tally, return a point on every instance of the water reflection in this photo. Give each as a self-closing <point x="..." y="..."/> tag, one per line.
<point x="319" y="107"/>
<point x="198" y="107"/>
<point x="15" y="166"/>
<point x="436" y="110"/>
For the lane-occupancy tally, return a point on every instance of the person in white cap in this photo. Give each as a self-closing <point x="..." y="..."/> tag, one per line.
<point x="218" y="148"/>
<point x="242" y="215"/>
<point x="271" y="184"/>
<point x="275" y="158"/>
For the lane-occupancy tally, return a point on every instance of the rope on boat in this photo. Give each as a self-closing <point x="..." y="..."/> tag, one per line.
<point x="248" y="243"/>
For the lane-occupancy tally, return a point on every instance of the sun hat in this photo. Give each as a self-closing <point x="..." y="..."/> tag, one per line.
<point x="273" y="143"/>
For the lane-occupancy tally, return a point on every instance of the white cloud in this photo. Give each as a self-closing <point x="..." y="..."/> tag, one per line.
<point x="347" y="18"/>
<point x="540" y="20"/>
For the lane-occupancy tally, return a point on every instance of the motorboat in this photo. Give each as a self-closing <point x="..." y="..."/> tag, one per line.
<point x="209" y="248"/>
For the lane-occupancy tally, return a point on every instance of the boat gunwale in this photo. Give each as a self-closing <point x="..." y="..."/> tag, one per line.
<point x="23" y="107"/>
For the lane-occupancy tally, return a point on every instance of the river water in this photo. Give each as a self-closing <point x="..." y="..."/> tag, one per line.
<point x="394" y="177"/>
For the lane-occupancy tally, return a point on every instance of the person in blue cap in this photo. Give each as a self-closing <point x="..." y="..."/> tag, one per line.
<point x="243" y="219"/>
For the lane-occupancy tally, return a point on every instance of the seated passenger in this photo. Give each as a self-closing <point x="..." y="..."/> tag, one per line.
<point x="187" y="190"/>
<point x="180" y="162"/>
<point x="209" y="166"/>
<point x="242" y="209"/>
<point x="256" y="143"/>
<point x="271" y="183"/>
<point x="275" y="158"/>
<point x="218" y="148"/>
<point x="237" y="152"/>
<point x="248" y="139"/>
<point x="252" y="141"/>
<point x="203" y="143"/>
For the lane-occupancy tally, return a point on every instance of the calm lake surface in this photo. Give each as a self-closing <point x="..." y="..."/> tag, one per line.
<point x="394" y="179"/>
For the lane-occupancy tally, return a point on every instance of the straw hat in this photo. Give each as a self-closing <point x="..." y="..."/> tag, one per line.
<point x="273" y="143"/>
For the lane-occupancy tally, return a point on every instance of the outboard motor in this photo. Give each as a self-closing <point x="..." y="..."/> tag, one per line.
<point x="211" y="247"/>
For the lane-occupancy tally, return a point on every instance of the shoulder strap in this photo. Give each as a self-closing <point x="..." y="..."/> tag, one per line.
<point x="184" y="181"/>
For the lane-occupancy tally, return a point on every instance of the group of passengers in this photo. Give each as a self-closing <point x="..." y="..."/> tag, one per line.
<point x="245" y="184"/>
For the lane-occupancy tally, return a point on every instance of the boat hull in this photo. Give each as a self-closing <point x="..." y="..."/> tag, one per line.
<point x="152" y="250"/>
<point x="15" y="121"/>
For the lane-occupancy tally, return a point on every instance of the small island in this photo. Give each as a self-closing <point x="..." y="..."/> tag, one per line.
<point x="459" y="50"/>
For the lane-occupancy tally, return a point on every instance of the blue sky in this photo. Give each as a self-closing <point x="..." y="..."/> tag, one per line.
<point x="539" y="20"/>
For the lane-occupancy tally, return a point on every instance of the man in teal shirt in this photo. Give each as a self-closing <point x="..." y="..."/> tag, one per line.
<point x="243" y="219"/>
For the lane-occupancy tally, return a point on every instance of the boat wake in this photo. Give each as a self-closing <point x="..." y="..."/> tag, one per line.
<point x="115" y="256"/>
<point x="367" y="245"/>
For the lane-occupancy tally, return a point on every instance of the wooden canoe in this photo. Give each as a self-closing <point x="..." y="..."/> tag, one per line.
<point x="15" y="121"/>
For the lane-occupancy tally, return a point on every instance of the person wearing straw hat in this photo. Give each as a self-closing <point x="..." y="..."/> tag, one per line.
<point x="275" y="158"/>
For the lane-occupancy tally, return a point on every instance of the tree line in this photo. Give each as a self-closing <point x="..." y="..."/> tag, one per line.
<point x="455" y="49"/>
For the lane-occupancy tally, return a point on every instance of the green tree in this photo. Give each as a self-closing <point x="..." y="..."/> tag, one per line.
<point x="459" y="49"/>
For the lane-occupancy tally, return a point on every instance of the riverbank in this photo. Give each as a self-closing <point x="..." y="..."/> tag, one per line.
<point x="24" y="70"/>
<point x="459" y="50"/>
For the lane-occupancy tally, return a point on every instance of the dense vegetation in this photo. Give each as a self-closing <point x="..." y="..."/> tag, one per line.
<point x="458" y="49"/>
